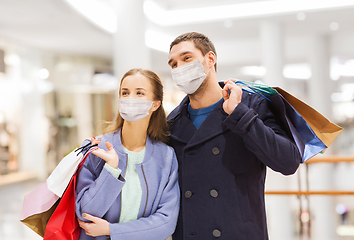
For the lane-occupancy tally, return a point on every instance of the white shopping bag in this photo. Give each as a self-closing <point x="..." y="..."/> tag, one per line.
<point x="61" y="175"/>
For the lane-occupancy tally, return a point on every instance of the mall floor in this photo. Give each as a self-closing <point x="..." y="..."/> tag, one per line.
<point x="11" y="198"/>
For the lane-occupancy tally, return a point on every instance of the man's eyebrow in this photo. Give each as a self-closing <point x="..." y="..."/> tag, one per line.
<point x="182" y="54"/>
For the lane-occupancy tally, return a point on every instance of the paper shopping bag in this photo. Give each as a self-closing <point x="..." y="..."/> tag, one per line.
<point x="61" y="175"/>
<point x="326" y="130"/>
<point x="306" y="140"/>
<point x="63" y="224"/>
<point x="37" y="208"/>
<point x="311" y="131"/>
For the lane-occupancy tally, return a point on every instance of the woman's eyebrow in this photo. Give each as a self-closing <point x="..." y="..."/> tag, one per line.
<point x="141" y="89"/>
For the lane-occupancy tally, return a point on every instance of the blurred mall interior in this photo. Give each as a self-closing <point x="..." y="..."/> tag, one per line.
<point x="61" y="62"/>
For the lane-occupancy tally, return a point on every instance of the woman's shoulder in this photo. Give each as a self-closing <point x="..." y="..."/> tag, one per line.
<point x="108" y="136"/>
<point x="164" y="154"/>
<point x="163" y="147"/>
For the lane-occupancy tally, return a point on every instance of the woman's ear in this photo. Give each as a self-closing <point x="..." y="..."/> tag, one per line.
<point x="155" y="106"/>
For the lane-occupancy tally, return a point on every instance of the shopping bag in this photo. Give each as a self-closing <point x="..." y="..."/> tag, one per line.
<point x="61" y="175"/>
<point x="311" y="131"/>
<point x="63" y="224"/>
<point x="59" y="179"/>
<point x="326" y="130"/>
<point x="308" y="143"/>
<point x="37" y="208"/>
<point x="39" y="205"/>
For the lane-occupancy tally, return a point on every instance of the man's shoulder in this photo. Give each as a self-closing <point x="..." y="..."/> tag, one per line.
<point x="250" y="99"/>
<point x="175" y="112"/>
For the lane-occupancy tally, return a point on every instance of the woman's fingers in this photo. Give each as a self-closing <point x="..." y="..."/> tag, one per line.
<point x="110" y="156"/>
<point x="109" y="146"/>
<point x="99" y="153"/>
<point x="90" y="217"/>
<point x="97" y="226"/>
<point x="95" y="141"/>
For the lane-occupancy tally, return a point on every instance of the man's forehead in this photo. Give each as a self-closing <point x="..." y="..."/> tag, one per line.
<point x="183" y="47"/>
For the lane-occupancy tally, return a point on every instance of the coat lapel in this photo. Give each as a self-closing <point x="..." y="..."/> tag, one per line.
<point x="183" y="130"/>
<point x="211" y="127"/>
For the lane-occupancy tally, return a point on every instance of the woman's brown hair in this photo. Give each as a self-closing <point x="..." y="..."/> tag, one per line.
<point x="157" y="129"/>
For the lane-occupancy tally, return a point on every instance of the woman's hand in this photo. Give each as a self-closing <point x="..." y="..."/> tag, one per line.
<point x="232" y="99"/>
<point x="97" y="226"/>
<point x="110" y="156"/>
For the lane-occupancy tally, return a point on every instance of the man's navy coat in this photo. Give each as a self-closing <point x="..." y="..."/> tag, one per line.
<point x="222" y="168"/>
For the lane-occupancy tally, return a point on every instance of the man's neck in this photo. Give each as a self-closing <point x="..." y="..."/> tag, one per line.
<point x="210" y="93"/>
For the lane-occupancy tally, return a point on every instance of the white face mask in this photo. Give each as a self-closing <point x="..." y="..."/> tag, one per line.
<point x="134" y="109"/>
<point x="190" y="76"/>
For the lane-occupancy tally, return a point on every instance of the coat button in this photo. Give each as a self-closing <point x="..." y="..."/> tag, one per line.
<point x="216" y="233"/>
<point x="215" y="150"/>
<point x="214" y="193"/>
<point x="188" y="194"/>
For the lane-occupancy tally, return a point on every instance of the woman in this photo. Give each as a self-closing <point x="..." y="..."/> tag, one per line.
<point x="128" y="188"/>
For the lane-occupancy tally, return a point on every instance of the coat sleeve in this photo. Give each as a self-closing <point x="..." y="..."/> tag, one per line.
<point x="94" y="194"/>
<point x="263" y="135"/>
<point x="160" y="224"/>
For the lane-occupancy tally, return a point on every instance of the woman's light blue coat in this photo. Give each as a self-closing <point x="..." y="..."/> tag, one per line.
<point x="99" y="193"/>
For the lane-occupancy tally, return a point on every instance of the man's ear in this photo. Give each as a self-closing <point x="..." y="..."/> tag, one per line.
<point x="211" y="59"/>
<point x="155" y="105"/>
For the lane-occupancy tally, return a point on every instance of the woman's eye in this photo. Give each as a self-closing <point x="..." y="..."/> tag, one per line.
<point x="124" y="93"/>
<point x="140" y="93"/>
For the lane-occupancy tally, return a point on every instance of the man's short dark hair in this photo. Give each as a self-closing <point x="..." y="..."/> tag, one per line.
<point x="201" y="42"/>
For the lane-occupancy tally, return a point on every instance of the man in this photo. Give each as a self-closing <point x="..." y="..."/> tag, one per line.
<point x="224" y="139"/>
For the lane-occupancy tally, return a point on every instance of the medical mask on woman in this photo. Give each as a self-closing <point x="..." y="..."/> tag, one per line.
<point x="190" y="76"/>
<point x="134" y="109"/>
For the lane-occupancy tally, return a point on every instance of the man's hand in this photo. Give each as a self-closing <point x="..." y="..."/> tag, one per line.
<point x="232" y="99"/>
<point x="97" y="227"/>
<point x="110" y="156"/>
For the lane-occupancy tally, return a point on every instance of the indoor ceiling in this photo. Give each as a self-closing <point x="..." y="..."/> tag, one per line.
<point x="51" y="25"/>
<point x="54" y="26"/>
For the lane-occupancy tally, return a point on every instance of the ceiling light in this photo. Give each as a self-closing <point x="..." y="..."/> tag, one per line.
<point x="12" y="60"/>
<point x="334" y="26"/>
<point x="345" y="230"/>
<point x="342" y="97"/>
<point x="43" y="73"/>
<point x="99" y="13"/>
<point x="348" y="87"/>
<point x="297" y="71"/>
<point x="228" y="23"/>
<point x="253" y="70"/>
<point x="341" y="68"/>
<point x="163" y="17"/>
<point x="158" y="40"/>
<point x="301" y="16"/>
